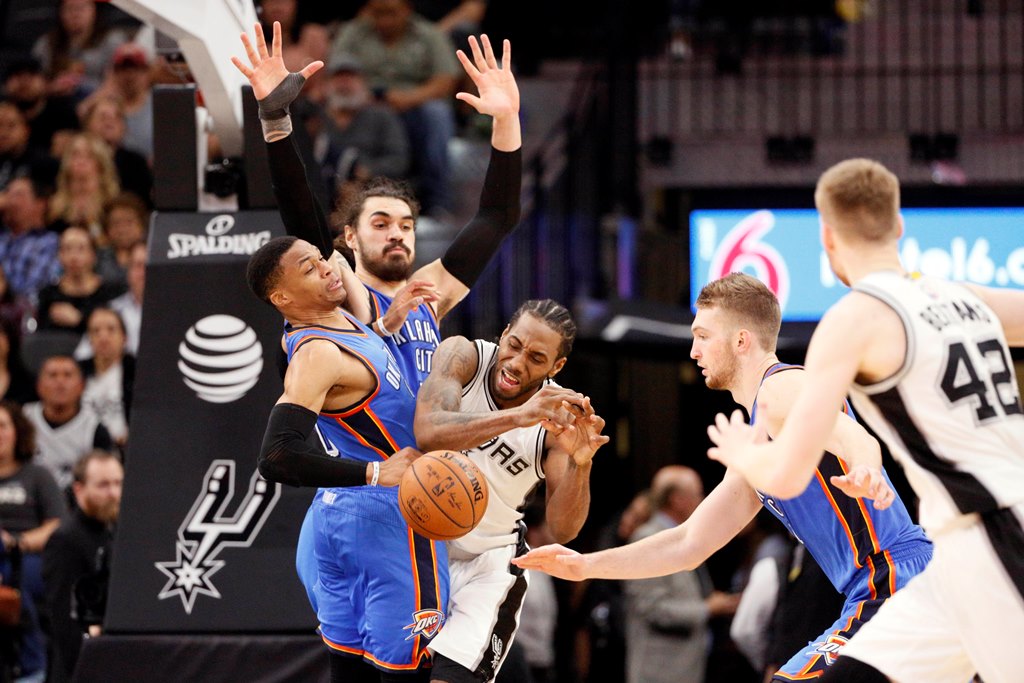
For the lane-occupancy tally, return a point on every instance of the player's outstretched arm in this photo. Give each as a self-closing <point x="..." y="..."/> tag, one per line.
<point x="467" y="256"/>
<point x="567" y="466"/>
<point x="849" y="441"/>
<point x="286" y="456"/>
<point x="719" y="517"/>
<point x="275" y="88"/>
<point x="440" y="423"/>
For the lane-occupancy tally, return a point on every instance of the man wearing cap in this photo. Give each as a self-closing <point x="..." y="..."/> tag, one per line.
<point x="130" y="81"/>
<point x="25" y="85"/>
<point x="364" y="139"/>
<point x="410" y="66"/>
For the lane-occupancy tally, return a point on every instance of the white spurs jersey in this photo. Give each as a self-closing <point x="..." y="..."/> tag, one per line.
<point x="952" y="413"/>
<point x="511" y="462"/>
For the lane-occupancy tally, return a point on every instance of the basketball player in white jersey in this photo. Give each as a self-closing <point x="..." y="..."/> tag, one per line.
<point x="928" y="367"/>
<point x="497" y="402"/>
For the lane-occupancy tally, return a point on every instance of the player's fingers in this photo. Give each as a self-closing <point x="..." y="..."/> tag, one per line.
<point x="471" y="70"/>
<point x="715" y="453"/>
<point x="506" y="55"/>
<point x="488" y="51"/>
<point x="312" y="68"/>
<point x="478" y="55"/>
<point x="600" y="439"/>
<point x="261" y="43"/>
<point x="471" y="100"/>
<point x="275" y="46"/>
<point x="246" y="71"/>
<point x="249" y="51"/>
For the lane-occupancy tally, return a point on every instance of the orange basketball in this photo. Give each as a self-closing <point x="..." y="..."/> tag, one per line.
<point x="442" y="495"/>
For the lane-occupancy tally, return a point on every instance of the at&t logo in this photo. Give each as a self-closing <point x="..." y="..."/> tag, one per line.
<point x="220" y="358"/>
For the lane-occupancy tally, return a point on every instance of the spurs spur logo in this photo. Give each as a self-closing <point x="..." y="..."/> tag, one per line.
<point x="209" y="528"/>
<point x="497" y="647"/>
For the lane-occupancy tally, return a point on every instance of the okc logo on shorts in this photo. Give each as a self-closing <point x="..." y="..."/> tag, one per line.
<point x="830" y="648"/>
<point x="426" y="623"/>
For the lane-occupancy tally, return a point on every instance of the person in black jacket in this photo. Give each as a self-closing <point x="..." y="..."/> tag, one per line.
<point x="77" y="557"/>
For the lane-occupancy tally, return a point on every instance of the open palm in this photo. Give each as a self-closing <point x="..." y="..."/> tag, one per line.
<point x="498" y="92"/>
<point x="268" y="69"/>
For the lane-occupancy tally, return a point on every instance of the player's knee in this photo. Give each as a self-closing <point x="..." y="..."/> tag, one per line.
<point x="850" y="670"/>
<point x="447" y="671"/>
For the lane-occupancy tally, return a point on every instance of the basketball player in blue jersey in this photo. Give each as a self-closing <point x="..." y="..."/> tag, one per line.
<point x="928" y="366"/>
<point x="867" y="551"/>
<point x="382" y="591"/>
<point x="379" y="223"/>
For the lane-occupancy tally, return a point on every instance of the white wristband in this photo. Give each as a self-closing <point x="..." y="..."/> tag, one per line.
<point x="376" y="473"/>
<point x="378" y="325"/>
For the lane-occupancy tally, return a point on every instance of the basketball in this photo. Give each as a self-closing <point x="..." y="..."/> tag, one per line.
<point x="442" y="495"/>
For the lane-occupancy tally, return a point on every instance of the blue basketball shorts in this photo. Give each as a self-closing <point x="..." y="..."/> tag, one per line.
<point x="381" y="590"/>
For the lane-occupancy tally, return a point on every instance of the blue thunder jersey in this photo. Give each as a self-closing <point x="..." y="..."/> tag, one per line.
<point x="415" y="343"/>
<point x="380" y="590"/>
<point x="377" y="425"/>
<point x="845" y="535"/>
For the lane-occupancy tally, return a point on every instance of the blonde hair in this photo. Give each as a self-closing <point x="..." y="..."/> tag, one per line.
<point x="860" y="198"/>
<point x="748" y="300"/>
<point x="61" y="204"/>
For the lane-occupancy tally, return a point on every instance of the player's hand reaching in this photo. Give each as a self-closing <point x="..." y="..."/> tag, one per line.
<point x="498" y="93"/>
<point x="550" y="407"/>
<point x="866" y="482"/>
<point x="732" y="437"/>
<point x="583" y="437"/>
<point x="273" y="85"/>
<point x="556" y="560"/>
<point x="392" y="469"/>
<point x="414" y="293"/>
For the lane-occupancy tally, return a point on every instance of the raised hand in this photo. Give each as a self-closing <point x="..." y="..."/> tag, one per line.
<point x="392" y="469"/>
<point x="866" y="482"/>
<point x="557" y="560"/>
<point x="498" y="92"/>
<point x="732" y="437"/>
<point x="268" y="72"/>
<point x="414" y="293"/>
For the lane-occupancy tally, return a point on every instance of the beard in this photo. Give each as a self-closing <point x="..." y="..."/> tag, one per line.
<point x="723" y="378"/>
<point x="390" y="266"/>
<point x="104" y="512"/>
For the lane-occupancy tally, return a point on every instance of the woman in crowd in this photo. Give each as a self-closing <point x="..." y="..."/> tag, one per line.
<point x="110" y="373"/>
<point x="86" y="182"/>
<point x="124" y="225"/>
<point x="67" y="304"/>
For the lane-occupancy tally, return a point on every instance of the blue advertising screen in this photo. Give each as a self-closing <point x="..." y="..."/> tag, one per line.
<point x="782" y="248"/>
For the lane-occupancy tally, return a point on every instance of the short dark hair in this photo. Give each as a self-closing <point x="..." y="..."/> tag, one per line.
<point x="264" y="269"/>
<point x="348" y="212"/>
<point x="554" y="315"/>
<point x="82" y="464"/>
<point x="25" y="433"/>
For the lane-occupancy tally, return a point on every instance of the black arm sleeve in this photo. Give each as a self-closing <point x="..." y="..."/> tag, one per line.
<point x="287" y="457"/>
<point x="301" y="213"/>
<point x="498" y="215"/>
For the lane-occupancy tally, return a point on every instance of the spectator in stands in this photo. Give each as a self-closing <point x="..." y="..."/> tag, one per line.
<point x="109" y="374"/>
<point x="31" y="508"/>
<point x="361" y="139"/>
<point x="129" y="304"/>
<point x="47" y="115"/>
<point x="459" y="19"/>
<point x="130" y="81"/>
<point x="65" y="429"/>
<point x="28" y="251"/>
<point x="87" y="180"/>
<point x="16" y="382"/>
<point x="104" y="118"/>
<point x="667" y="616"/>
<point x="67" y="304"/>
<point x="78" y="555"/>
<point x="410" y="65"/>
<point x="76" y="52"/>
<point x="17" y="158"/>
<point x="124" y="225"/>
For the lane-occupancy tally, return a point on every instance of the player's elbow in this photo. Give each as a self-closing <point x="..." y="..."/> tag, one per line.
<point x="789" y="486"/>
<point x="428" y="438"/>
